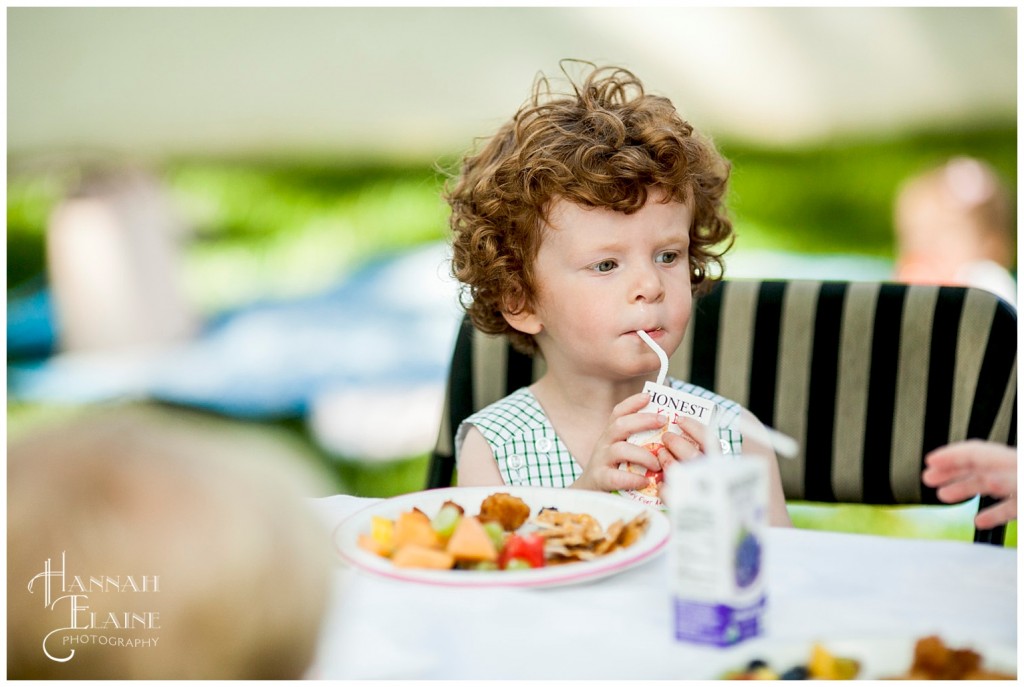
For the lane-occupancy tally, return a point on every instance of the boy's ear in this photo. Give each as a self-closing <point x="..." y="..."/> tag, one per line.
<point x="523" y="320"/>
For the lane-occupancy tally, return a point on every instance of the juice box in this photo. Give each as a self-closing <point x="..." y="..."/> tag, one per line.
<point x="672" y="403"/>
<point x="718" y="509"/>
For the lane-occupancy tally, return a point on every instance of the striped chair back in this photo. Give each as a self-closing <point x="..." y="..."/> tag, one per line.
<point x="867" y="376"/>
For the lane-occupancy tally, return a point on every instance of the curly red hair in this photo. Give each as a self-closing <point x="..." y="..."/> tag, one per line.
<point x="608" y="144"/>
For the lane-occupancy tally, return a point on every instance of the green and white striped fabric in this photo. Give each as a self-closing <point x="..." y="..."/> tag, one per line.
<point x="530" y="453"/>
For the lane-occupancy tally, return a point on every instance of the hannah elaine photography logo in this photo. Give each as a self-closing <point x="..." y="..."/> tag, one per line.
<point x="67" y="597"/>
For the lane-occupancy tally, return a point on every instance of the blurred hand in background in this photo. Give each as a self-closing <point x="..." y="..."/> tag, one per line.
<point x="966" y="468"/>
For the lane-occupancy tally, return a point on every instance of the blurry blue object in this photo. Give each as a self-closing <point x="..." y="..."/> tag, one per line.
<point x="392" y="322"/>
<point x="363" y="363"/>
<point x="31" y="331"/>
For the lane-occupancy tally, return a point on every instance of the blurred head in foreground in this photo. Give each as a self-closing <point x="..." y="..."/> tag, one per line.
<point x="954" y="226"/>
<point x="139" y="549"/>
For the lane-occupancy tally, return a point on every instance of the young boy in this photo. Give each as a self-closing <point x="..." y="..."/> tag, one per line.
<point x="588" y="217"/>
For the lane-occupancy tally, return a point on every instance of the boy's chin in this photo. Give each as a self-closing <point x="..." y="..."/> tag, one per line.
<point x="643" y="372"/>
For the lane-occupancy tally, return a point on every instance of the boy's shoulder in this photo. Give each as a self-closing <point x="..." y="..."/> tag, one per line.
<point x="509" y="416"/>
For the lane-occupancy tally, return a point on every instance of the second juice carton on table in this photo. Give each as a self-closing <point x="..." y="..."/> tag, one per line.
<point x="717" y="508"/>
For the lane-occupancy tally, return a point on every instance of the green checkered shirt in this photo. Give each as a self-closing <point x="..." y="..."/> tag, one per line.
<point x="529" y="452"/>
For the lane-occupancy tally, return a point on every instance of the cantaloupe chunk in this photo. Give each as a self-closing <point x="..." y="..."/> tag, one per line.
<point x="416" y="556"/>
<point x="368" y="543"/>
<point x="413" y="527"/>
<point x="470" y="542"/>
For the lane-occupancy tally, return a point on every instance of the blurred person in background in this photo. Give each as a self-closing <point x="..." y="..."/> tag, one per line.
<point x="954" y="226"/>
<point x="142" y="549"/>
<point x="114" y="251"/>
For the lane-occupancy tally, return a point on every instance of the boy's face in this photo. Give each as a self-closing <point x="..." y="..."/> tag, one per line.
<point x="600" y="276"/>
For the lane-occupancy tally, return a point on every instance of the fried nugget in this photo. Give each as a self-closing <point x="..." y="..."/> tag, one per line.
<point x="507" y="510"/>
<point x="934" y="660"/>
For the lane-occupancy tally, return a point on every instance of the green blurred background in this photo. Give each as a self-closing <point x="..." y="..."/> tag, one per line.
<point x="288" y="180"/>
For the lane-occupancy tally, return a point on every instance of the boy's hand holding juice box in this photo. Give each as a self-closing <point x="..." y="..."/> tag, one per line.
<point x="673" y="404"/>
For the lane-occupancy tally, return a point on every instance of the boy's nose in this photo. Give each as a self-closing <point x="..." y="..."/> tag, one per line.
<point x="648" y="287"/>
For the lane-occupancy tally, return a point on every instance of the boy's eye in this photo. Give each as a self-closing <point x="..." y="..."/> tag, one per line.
<point x="604" y="266"/>
<point x="668" y="257"/>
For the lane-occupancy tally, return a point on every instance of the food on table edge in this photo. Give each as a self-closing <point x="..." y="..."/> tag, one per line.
<point x="502" y="536"/>
<point x="821" y="665"/>
<point x="933" y="660"/>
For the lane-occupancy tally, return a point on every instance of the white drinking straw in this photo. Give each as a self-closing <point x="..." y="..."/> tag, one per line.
<point x="661" y="354"/>
<point x="785" y="446"/>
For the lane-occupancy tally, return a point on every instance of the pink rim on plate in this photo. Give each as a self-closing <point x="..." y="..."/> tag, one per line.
<point x="605" y="507"/>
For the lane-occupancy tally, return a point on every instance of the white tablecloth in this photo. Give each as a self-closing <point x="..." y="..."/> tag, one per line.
<point x="822" y="586"/>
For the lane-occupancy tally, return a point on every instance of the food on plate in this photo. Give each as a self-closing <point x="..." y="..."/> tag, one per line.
<point x="933" y="660"/>
<point x="522" y="551"/>
<point x="416" y="556"/>
<point x="414" y="528"/>
<point x="470" y="542"/>
<point x="502" y="536"/>
<point x="447" y="518"/>
<point x="454" y="505"/>
<point x="509" y="511"/>
<point x="381" y="539"/>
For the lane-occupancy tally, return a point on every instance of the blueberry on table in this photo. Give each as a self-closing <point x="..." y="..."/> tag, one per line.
<point x="795" y="673"/>
<point x="756" y="663"/>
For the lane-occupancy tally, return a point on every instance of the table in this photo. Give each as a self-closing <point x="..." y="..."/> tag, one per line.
<point x="822" y="586"/>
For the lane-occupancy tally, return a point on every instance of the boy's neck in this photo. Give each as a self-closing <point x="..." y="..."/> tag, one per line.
<point x="586" y="395"/>
<point x="579" y="408"/>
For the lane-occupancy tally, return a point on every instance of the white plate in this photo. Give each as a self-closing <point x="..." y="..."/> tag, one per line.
<point x="879" y="659"/>
<point x="606" y="508"/>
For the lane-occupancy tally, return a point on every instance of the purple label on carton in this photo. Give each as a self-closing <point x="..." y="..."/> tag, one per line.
<point x="718" y="624"/>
